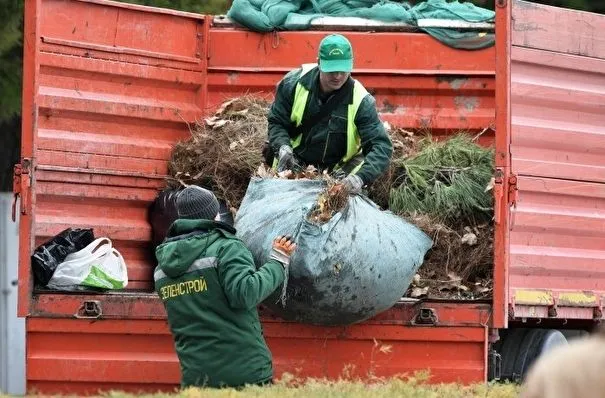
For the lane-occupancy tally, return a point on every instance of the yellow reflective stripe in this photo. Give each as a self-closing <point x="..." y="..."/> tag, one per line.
<point x="534" y="297"/>
<point x="578" y="299"/>
<point x="353" y="139"/>
<point x="301" y="94"/>
<point x="298" y="106"/>
<point x="357" y="168"/>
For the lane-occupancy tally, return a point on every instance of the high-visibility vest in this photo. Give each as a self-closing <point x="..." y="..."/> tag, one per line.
<point x="353" y="140"/>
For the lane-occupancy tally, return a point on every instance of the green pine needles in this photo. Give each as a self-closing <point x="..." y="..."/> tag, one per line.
<point x="447" y="180"/>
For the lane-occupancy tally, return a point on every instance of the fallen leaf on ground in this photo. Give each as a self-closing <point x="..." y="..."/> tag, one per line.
<point x="419" y="292"/>
<point x="469" y="238"/>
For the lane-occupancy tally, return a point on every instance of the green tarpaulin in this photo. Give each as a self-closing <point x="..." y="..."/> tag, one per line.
<point x="270" y="15"/>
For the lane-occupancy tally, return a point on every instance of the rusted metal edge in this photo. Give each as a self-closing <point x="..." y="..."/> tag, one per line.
<point x="136" y="7"/>
<point x="119" y="50"/>
<point x="357" y="23"/>
<point x="147" y="305"/>
<point x="100" y="171"/>
<point x="502" y="163"/>
<point x="422" y="72"/>
<point x="31" y="71"/>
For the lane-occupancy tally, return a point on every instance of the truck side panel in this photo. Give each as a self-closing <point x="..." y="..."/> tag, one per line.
<point x="557" y="251"/>
<point x="82" y="356"/>
<point x="109" y="87"/>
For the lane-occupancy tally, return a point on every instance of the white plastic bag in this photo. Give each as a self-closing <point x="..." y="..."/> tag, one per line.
<point x="98" y="265"/>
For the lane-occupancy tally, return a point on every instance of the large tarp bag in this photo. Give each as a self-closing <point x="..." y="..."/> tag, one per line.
<point x="356" y="265"/>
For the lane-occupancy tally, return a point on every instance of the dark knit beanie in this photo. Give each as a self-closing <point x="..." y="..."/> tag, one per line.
<point x="197" y="203"/>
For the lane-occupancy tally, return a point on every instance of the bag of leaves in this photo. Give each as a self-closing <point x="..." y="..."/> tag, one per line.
<point x="50" y="254"/>
<point x="350" y="263"/>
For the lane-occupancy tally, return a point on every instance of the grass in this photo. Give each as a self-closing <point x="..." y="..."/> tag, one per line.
<point x="289" y="387"/>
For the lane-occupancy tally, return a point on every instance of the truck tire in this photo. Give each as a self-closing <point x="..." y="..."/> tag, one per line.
<point x="523" y="346"/>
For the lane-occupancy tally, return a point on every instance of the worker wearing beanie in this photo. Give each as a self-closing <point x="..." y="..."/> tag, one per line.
<point x="210" y="288"/>
<point x="323" y="117"/>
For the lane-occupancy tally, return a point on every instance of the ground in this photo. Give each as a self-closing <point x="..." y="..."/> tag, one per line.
<point x="317" y="389"/>
<point x="415" y="387"/>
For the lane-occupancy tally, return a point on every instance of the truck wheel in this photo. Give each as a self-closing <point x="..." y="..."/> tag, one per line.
<point x="523" y="346"/>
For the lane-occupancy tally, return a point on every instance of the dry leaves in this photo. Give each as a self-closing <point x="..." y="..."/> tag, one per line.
<point x="332" y="200"/>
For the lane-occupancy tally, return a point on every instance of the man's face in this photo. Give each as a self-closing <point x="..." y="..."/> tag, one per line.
<point x="332" y="81"/>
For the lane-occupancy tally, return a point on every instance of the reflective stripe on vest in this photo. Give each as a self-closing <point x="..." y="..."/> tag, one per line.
<point x="301" y="95"/>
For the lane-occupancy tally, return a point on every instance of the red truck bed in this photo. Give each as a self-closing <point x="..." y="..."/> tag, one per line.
<point x="109" y="87"/>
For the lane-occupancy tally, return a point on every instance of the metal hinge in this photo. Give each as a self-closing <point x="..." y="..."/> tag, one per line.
<point x="501" y="196"/>
<point x="22" y="181"/>
<point x="494" y="365"/>
<point x="512" y="190"/>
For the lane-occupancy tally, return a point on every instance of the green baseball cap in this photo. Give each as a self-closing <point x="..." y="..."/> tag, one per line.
<point x="335" y="54"/>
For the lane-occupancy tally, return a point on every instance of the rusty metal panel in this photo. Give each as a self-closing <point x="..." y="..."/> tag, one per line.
<point x="109" y="87"/>
<point x="84" y="356"/>
<point x="559" y="30"/>
<point x="558" y="105"/>
<point x="502" y="163"/>
<point x="417" y="81"/>
<point x="116" y="87"/>
<point x="557" y="249"/>
<point x="129" y="34"/>
<point x="559" y="234"/>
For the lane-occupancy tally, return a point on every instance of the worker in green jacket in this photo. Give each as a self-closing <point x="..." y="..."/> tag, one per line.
<point x="210" y="288"/>
<point x="323" y="117"/>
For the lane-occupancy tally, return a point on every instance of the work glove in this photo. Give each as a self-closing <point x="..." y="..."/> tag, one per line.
<point x="283" y="247"/>
<point x="286" y="159"/>
<point x="339" y="174"/>
<point x="353" y="184"/>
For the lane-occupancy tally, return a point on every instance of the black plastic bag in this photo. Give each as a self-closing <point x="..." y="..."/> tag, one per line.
<point x="162" y="214"/>
<point x="49" y="255"/>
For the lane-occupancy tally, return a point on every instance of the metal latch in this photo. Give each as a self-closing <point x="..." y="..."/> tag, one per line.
<point x="21" y="184"/>
<point x="426" y="316"/>
<point x="90" y="309"/>
<point x="500" y="195"/>
<point x="512" y="190"/>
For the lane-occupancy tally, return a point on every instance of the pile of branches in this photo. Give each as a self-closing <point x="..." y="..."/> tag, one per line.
<point x="444" y="188"/>
<point x="446" y="180"/>
<point x="224" y="151"/>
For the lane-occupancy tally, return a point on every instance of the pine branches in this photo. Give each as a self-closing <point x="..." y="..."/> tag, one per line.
<point x="446" y="180"/>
